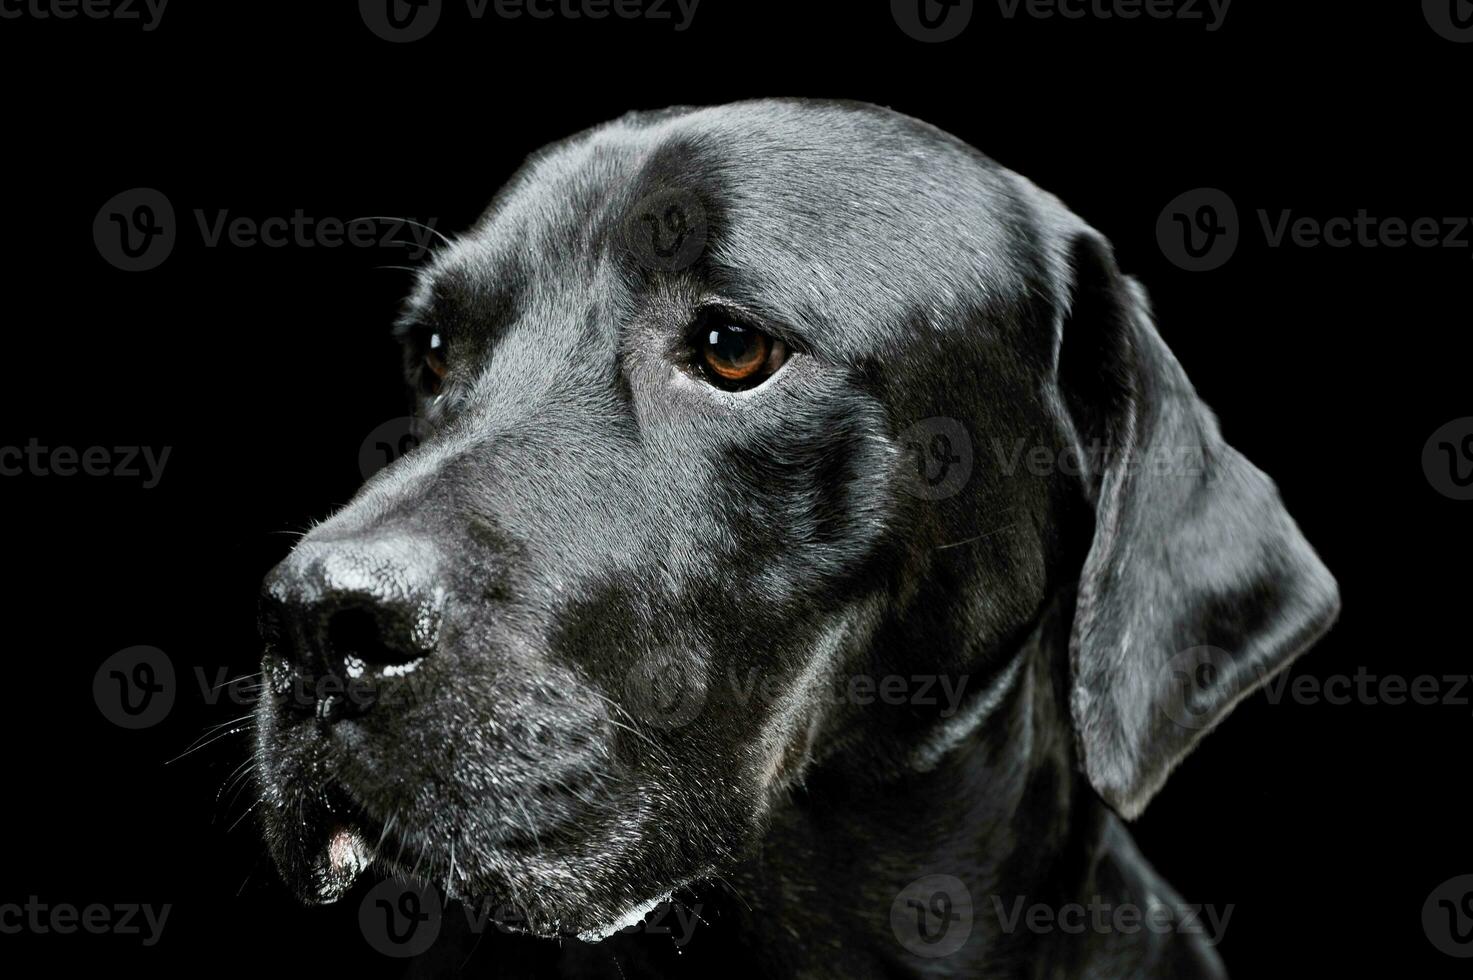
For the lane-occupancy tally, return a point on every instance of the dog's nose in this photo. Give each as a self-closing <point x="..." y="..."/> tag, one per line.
<point x="349" y="613"/>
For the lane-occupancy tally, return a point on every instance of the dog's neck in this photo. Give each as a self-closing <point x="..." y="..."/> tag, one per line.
<point x="847" y="880"/>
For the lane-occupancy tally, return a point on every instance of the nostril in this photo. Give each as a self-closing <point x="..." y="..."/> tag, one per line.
<point x="358" y="632"/>
<point x="339" y="617"/>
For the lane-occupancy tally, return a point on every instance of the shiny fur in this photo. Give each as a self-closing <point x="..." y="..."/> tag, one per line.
<point x="595" y="516"/>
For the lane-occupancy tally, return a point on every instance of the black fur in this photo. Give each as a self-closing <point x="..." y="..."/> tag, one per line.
<point x="587" y="516"/>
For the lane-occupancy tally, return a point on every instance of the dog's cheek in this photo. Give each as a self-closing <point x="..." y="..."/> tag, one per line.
<point x="684" y="723"/>
<point x="809" y="503"/>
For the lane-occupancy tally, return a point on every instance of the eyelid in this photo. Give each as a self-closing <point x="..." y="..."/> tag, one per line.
<point x="751" y="317"/>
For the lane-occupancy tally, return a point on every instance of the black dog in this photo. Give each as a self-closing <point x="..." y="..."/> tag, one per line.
<point x="806" y="504"/>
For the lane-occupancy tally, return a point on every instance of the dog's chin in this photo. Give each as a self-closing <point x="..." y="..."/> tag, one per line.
<point x="347" y="858"/>
<point x="320" y="858"/>
<point x="324" y="855"/>
<point x="329" y="850"/>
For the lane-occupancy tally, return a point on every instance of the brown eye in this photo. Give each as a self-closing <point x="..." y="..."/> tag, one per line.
<point x="435" y="358"/>
<point x="737" y="356"/>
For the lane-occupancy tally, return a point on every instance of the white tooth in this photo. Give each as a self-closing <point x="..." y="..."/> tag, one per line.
<point x="348" y="851"/>
<point x="345" y="857"/>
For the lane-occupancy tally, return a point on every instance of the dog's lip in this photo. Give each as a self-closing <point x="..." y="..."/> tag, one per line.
<point x="351" y="843"/>
<point x="341" y="844"/>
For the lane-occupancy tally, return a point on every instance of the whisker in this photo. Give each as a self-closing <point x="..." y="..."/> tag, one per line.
<point x="244" y="769"/>
<point x="208" y="738"/>
<point x="408" y="221"/>
<point x="721" y="879"/>
<point x="987" y="534"/>
<point x="247" y="813"/>
<point x="663" y="752"/>
<point x="249" y="874"/>
<point x="243" y="677"/>
<point x="384" y="834"/>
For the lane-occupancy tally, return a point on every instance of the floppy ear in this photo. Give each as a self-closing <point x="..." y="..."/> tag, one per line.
<point x="1198" y="585"/>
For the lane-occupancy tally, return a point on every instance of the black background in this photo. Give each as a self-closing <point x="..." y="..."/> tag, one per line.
<point x="1326" y="826"/>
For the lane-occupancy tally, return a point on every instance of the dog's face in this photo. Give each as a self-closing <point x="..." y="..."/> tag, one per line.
<point x="673" y="387"/>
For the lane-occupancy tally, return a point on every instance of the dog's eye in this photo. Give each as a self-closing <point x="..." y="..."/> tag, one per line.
<point x="436" y="356"/>
<point x="736" y="356"/>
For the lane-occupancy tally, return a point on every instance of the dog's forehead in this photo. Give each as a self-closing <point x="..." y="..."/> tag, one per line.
<point x="853" y="225"/>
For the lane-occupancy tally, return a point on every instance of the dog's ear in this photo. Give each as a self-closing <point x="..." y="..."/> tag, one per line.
<point x="1198" y="585"/>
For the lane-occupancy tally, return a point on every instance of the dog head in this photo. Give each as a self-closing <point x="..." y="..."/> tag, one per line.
<point x="720" y="407"/>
